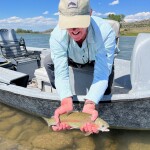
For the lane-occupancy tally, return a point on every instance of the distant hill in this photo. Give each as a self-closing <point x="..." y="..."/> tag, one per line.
<point x="127" y="28"/>
<point x="133" y="28"/>
<point x="143" y="23"/>
<point x="47" y="31"/>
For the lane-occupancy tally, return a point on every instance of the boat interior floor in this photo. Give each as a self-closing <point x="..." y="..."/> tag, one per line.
<point x="121" y="84"/>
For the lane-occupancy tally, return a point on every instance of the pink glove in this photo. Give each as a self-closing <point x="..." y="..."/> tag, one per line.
<point x="60" y="126"/>
<point x="89" y="128"/>
<point x="89" y="107"/>
<point x="66" y="106"/>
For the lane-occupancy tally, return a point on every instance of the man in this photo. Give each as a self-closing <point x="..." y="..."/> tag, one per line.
<point x="80" y="39"/>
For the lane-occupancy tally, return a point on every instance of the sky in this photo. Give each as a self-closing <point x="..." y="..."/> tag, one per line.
<point x="41" y="15"/>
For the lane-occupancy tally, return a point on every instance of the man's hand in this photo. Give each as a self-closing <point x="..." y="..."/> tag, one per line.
<point x="66" y="107"/>
<point x="89" y="107"/>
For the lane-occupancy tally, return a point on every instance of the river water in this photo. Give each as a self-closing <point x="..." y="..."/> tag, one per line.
<point x="22" y="131"/>
<point x="42" y="41"/>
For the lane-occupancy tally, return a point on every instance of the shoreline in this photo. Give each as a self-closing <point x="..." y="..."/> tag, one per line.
<point x="134" y="30"/>
<point x="123" y="31"/>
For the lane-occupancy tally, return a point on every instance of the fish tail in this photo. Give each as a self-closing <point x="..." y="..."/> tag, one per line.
<point x="88" y="133"/>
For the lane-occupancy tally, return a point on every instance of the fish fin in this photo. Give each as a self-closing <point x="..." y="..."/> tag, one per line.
<point x="105" y="130"/>
<point x="69" y="112"/>
<point x="47" y="121"/>
<point x="73" y="128"/>
<point x="88" y="133"/>
<point x="50" y="128"/>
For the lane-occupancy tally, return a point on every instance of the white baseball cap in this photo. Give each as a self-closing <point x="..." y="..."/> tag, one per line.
<point x="74" y="14"/>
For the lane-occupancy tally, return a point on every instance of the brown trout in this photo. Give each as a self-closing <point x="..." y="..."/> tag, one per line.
<point x="77" y="119"/>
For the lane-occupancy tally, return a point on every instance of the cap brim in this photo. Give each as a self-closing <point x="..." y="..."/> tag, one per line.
<point x="82" y="21"/>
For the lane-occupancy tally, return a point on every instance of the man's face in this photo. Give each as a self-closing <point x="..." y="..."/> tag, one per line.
<point x="78" y="34"/>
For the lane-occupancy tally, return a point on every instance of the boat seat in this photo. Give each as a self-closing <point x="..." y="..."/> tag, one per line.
<point x="116" y="27"/>
<point x="43" y="82"/>
<point x="10" y="46"/>
<point x="13" y="77"/>
<point x="15" y="51"/>
<point x="140" y="62"/>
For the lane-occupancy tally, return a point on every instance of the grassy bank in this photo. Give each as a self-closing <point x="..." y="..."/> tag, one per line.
<point x="134" y="31"/>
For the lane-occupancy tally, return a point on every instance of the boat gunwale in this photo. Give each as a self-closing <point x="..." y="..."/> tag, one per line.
<point x="79" y="98"/>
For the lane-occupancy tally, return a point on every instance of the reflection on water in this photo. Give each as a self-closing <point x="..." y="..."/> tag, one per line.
<point x="21" y="131"/>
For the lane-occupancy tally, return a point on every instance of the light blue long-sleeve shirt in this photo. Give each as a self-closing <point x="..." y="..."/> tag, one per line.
<point x="99" y="45"/>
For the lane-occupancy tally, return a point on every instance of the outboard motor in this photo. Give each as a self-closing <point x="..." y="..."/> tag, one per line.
<point x="140" y="63"/>
<point x="116" y="27"/>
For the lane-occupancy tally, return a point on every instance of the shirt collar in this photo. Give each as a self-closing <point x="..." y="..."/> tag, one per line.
<point x="91" y="34"/>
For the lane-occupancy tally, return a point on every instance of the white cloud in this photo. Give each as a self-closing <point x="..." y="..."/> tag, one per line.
<point x="115" y="2"/>
<point x="94" y="13"/>
<point x="137" y="17"/>
<point x="45" y="13"/>
<point x="38" y="23"/>
<point x="56" y="14"/>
